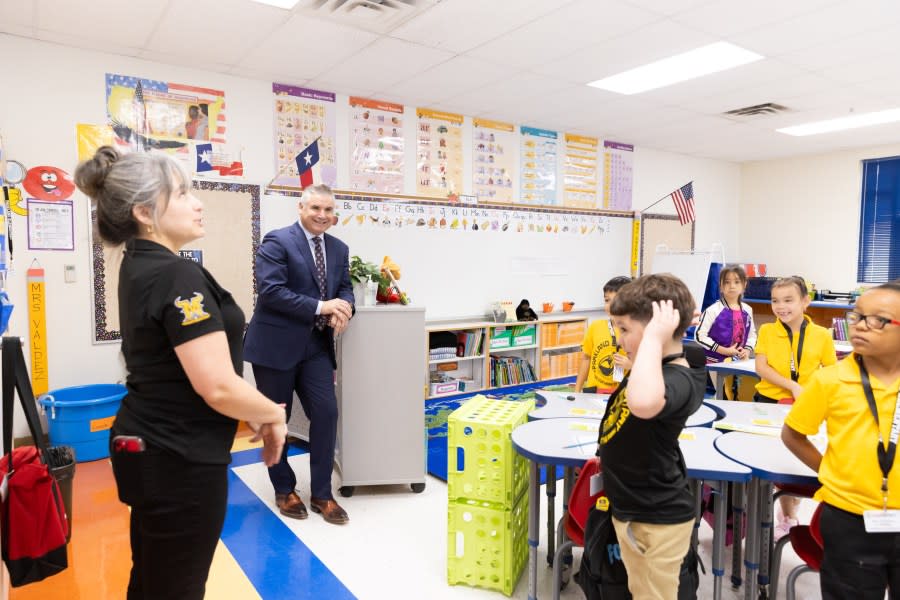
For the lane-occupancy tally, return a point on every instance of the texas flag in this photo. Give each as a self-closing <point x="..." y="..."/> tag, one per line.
<point x="204" y="157"/>
<point x="306" y="160"/>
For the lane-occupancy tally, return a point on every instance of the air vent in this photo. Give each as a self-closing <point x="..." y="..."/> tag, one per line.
<point x="379" y="16"/>
<point x="756" y="111"/>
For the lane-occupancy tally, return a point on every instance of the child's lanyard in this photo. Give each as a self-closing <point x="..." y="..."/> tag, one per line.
<point x="612" y="399"/>
<point x="795" y="370"/>
<point x="885" y="455"/>
<point x="612" y="334"/>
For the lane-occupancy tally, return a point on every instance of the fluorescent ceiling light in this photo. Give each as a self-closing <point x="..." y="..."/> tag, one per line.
<point x="841" y="123"/>
<point x="713" y="58"/>
<point x="285" y="4"/>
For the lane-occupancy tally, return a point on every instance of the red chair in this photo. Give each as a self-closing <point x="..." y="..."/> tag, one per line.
<point x="806" y="540"/>
<point x="580" y="504"/>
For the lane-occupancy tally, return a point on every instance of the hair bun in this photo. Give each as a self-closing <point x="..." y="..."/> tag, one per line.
<point x="91" y="174"/>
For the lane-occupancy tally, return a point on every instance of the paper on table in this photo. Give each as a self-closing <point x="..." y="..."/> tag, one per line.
<point x="580" y="412"/>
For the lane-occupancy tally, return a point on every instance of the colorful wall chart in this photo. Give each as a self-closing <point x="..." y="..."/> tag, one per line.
<point x="580" y="172"/>
<point x="376" y="146"/>
<point x="493" y="160"/>
<point x="439" y="153"/>
<point x="539" y="147"/>
<point x="301" y="116"/>
<point x="158" y="114"/>
<point x="618" y="160"/>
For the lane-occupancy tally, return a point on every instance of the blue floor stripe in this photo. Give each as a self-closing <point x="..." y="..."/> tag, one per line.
<point x="277" y="563"/>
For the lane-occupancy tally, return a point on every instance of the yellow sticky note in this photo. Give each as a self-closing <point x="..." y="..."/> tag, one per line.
<point x="762" y="422"/>
<point x="687" y="436"/>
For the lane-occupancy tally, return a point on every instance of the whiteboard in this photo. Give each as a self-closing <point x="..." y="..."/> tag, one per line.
<point x="691" y="267"/>
<point x="459" y="273"/>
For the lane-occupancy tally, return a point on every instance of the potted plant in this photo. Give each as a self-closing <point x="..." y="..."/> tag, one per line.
<point x="365" y="276"/>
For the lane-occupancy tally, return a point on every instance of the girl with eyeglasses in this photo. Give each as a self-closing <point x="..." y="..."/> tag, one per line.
<point x="788" y="352"/>
<point x="859" y="401"/>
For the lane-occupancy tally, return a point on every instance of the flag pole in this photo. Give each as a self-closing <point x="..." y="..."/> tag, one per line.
<point x="669" y="195"/>
<point x="287" y="165"/>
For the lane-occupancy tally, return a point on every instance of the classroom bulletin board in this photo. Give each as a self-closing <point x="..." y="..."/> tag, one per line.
<point x="231" y="215"/>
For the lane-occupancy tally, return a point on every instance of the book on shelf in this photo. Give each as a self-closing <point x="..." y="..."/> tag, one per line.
<point x="510" y="370"/>
<point x="840" y="328"/>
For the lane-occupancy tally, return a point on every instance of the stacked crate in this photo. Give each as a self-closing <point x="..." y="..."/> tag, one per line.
<point x="487" y="516"/>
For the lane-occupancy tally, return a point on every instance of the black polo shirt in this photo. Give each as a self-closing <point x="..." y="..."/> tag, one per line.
<point x="165" y="301"/>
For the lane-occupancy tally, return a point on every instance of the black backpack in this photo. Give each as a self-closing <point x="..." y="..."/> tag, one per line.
<point x="602" y="575"/>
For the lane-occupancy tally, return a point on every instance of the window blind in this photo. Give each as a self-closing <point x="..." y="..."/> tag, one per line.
<point x="879" y="232"/>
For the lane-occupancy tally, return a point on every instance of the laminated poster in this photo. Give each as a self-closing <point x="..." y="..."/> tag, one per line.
<point x="146" y="113"/>
<point x="376" y="146"/>
<point x="439" y="155"/>
<point x="618" y="159"/>
<point x="493" y="160"/>
<point x="539" y="148"/>
<point x="302" y="116"/>
<point x="580" y="172"/>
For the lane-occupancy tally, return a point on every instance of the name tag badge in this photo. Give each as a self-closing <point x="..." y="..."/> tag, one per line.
<point x="882" y="521"/>
<point x="596" y="483"/>
<point x="618" y="373"/>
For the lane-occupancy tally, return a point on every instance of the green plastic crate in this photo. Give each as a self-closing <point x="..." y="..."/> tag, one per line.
<point x="487" y="544"/>
<point x="481" y="462"/>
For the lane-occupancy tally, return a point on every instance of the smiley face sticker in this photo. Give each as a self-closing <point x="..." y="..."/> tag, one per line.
<point x="48" y="183"/>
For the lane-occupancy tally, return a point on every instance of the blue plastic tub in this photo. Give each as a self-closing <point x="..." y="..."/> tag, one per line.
<point x="81" y="416"/>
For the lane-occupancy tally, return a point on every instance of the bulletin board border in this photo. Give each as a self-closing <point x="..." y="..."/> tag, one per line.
<point x="655" y="217"/>
<point x="102" y="334"/>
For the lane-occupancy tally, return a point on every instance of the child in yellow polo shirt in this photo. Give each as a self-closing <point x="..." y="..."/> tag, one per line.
<point x="859" y="401"/>
<point x="788" y="352"/>
<point x="602" y="358"/>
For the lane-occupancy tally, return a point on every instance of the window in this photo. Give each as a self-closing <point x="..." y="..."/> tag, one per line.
<point x="879" y="230"/>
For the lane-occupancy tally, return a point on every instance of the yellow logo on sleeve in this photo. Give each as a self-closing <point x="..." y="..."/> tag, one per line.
<point x="192" y="309"/>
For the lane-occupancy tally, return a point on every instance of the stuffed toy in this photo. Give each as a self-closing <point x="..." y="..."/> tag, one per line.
<point x="388" y="291"/>
<point x="524" y="312"/>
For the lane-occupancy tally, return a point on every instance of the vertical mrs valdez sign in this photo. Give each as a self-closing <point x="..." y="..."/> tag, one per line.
<point x="37" y="328"/>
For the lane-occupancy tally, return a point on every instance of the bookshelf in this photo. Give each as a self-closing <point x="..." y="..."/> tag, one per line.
<point x="492" y="355"/>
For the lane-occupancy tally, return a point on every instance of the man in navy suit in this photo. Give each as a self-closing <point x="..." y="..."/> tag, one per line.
<point x="305" y="298"/>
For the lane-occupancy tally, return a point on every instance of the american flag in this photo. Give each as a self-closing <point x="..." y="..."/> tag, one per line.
<point x="683" y="198"/>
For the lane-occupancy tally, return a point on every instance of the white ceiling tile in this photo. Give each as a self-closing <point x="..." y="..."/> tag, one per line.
<point x="669" y="7"/>
<point x="726" y="17"/>
<point x="218" y="30"/>
<point x="89" y="42"/>
<point x="452" y="78"/>
<point x="303" y="47"/>
<point x="869" y="46"/>
<point x="484" y="21"/>
<point x="614" y="55"/>
<point x="558" y="34"/>
<point x="17" y="15"/>
<point x="385" y="62"/>
<point x="119" y="23"/>
<point x="836" y="22"/>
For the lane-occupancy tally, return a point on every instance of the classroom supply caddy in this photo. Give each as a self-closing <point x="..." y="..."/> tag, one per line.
<point x="81" y="417"/>
<point x="487" y="521"/>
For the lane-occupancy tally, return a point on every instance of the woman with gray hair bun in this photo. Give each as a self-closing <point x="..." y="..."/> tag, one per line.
<point x="181" y="340"/>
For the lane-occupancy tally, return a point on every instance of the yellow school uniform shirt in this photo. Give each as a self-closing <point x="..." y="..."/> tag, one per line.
<point x="600" y="346"/>
<point x="818" y="350"/>
<point x="849" y="473"/>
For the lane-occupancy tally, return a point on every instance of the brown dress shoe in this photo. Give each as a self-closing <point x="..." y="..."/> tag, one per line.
<point x="290" y="505"/>
<point x="330" y="510"/>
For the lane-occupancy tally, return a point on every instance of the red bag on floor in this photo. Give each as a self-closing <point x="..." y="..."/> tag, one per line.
<point x="31" y="506"/>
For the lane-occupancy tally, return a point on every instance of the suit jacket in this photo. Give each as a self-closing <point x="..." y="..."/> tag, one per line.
<point x="287" y="296"/>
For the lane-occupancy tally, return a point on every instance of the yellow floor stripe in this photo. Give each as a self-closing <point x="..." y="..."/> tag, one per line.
<point x="226" y="579"/>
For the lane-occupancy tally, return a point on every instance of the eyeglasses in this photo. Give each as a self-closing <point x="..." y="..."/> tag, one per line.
<point x="872" y="321"/>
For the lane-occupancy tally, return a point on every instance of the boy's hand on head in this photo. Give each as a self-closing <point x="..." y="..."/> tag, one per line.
<point x="663" y="323"/>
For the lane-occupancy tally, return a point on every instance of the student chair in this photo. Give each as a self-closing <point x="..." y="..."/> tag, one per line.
<point x="580" y="504"/>
<point x="806" y="540"/>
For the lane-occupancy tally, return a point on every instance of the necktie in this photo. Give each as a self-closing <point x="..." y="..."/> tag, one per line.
<point x="321" y="320"/>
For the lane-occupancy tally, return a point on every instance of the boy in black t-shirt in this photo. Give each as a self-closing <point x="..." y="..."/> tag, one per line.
<point x="643" y="470"/>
